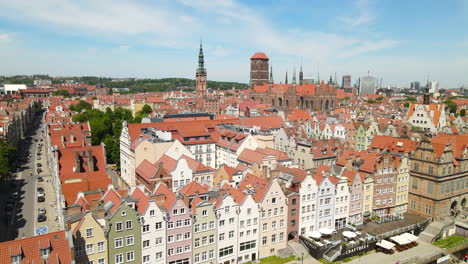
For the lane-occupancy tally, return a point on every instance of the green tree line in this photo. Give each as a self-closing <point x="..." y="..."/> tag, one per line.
<point x="106" y="126"/>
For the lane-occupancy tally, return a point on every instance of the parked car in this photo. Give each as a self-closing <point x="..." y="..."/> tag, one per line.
<point x="14" y="195"/>
<point x="41" y="217"/>
<point x="41" y="199"/>
<point x="39" y="170"/>
<point x="40" y="190"/>
<point x="41" y="210"/>
<point x="40" y="179"/>
<point x="39" y="164"/>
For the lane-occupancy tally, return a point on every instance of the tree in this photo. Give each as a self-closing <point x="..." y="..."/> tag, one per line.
<point x="7" y="159"/>
<point x="146" y="110"/>
<point x="406" y="105"/>
<point x="61" y="92"/>
<point x="462" y="112"/>
<point x="380" y="98"/>
<point x="80" y="106"/>
<point x="451" y="106"/>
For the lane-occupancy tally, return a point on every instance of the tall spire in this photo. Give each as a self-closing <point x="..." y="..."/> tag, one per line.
<point x="336" y="80"/>
<point x="301" y="75"/>
<point x="271" y="74"/>
<point x="318" y="75"/>
<point x="201" y="61"/>
<point x="286" y="79"/>
<point x="294" y="75"/>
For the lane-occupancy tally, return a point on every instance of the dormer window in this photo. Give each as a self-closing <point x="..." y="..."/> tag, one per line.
<point x="16" y="259"/>
<point x="45" y="252"/>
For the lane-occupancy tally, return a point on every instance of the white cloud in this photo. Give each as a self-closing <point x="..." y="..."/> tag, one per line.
<point x="365" y="15"/>
<point x="124" y="47"/>
<point x="5" y="38"/>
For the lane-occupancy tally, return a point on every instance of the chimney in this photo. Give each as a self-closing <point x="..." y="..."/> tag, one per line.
<point x="90" y="160"/>
<point x="77" y="162"/>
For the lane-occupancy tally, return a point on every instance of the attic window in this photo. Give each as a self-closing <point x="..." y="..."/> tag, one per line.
<point x="45" y="252"/>
<point x="16" y="259"/>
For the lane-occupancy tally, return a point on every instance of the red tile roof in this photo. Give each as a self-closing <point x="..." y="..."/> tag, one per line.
<point x="30" y="249"/>
<point x="257" y="184"/>
<point x="259" y="55"/>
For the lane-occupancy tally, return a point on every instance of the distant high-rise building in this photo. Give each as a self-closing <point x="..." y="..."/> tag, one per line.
<point x="434" y="88"/>
<point x="367" y="85"/>
<point x="346" y="81"/>
<point x="415" y="85"/>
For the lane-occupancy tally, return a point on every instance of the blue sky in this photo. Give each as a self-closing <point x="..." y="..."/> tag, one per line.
<point x="398" y="41"/>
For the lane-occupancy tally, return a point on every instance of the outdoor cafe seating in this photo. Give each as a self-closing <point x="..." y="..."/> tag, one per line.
<point x="386" y="246"/>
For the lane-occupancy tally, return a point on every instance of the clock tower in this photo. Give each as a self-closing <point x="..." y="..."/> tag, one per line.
<point x="201" y="82"/>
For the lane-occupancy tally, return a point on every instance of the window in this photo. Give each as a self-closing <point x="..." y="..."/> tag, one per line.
<point x="129" y="224"/>
<point x="16" y="259"/>
<point x="159" y="255"/>
<point x="90" y="249"/>
<point x="101" y="246"/>
<point x="226" y="251"/>
<point x="430" y="169"/>
<point x="118" y="242"/>
<point x="130" y="240"/>
<point x="179" y="250"/>
<point x="151" y="212"/>
<point x="212" y="223"/>
<point x="158" y="225"/>
<point x="221" y="236"/>
<point x="273" y="238"/>
<point x="178" y="223"/>
<point x="247" y="245"/>
<point x="221" y="222"/>
<point x="264" y="240"/>
<point x="187" y="248"/>
<point x="170" y="239"/>
<point x="170" y="252"/>
<point x="187" y="235"/>
<point x="175" y="212"/>
<point x="231" y="234"/>
<point x="428" y="209"/>
<point x="130" y="256"/>
<point x="179" y="237"/>
<point x="204" y="213"/>
<point x="146" y="259"/>
<point x="187" y="222"/>
<point x="265" y="227"/>
<point x="415" y="183"/>
<point x="89" y="232"/>
<point x="212" y="239"/>
<point x="124" y="213"/>
<point x="146" y="243"/>
<point x="78" y="251"/>
<point x="145" y="228"/>
<point x="197" y="242"/>
<point x="204" y="226"/>
<point x="102" y="261"/>
<point x="430" y="187"/>
<point x="118" y="226"/>
<point x="170" y="225"/>
<point x="231" y="221"/>
<point x="119" y="259"/>
<point x="158" y="240"/>
<point x="416" y="167"/>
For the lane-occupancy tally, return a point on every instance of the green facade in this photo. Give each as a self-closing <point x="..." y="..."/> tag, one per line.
<point x="202" y="234"/>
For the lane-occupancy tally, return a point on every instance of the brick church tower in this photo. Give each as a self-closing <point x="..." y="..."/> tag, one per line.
<point x="201" y="82"/>
<point x="258" y="69"/>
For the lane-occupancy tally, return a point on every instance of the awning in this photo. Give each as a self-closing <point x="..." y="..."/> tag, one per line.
<point x="326" y="231"/>
<point x="410" y="237"/>
<point x="401" y="240"/>
<point x="314" y="234"/>
<point x="349" y="234"/>
<point x="385" y="244"/>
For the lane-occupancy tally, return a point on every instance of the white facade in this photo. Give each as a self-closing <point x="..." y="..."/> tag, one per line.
<point x="13" y="88"/>
<point x="204" y="153"/>
<point x="228" y="156"/>
<point x="181" y="175"/>
<point x="227" y="214"/>
<point x="153" y="235"/>
<point x="308" y="210"/>
<point x="339" y="131"/>
<point x="248" y="230"/>
<point x="423" y="117"/>
<point x="341" y="203"/>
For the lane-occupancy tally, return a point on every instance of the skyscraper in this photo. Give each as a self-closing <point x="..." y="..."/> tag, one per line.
<point x="367" y="85"/>
<point x="434" y="87"/>
<point x="346" y="81"/>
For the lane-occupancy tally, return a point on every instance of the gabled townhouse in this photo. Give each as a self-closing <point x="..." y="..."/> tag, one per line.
<point x="361" y="137"/>
<point x="265" y="159"/>
<point x="153" y="227"/>
<point x="341" y="201"/>
<point x="185" y="170"/>
<point x="312" y="153"/>
<point x="372" y="130"/>
<point x="178" y="217"/>
<point x="227" y="214"/>
<point x="230" y="144"/>
<point x="325" y="201"/>
<point x="273" y="210"/>
<point x="248" y="224"/>
<point x="88" y="239"/>
<point x="123" y="228"/>
<point x="286" y="140"/>
<point x="428" y="117"/>
<point x="355" y="181"/>
<point x="308" y="205"/>
<point x="226" y="174"/>
<point x="205" y="231"/>
<point x="368" y="194"/>
<point x="339" y="131"/>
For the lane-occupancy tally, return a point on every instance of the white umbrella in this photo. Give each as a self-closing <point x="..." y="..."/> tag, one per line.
<point x="401" y="240"/>
<point x="349" y="234"/>
<point x="385" y="244"/>
<point x="314" y="234"/>
<point x="326" y="231"/>
<point x="410" y="237"/>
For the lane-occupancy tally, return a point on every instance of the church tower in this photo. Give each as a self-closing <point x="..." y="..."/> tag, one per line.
<point x="301" y="76"/>
<point x="201" y="82"/>
<point x="258" y="69"/>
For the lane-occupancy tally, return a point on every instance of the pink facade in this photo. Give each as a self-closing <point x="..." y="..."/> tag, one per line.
<point x="179" y="232"/>
<point x="356" y="195"/>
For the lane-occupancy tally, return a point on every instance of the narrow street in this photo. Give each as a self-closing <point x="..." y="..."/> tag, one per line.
<point x="22" y="220"/>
